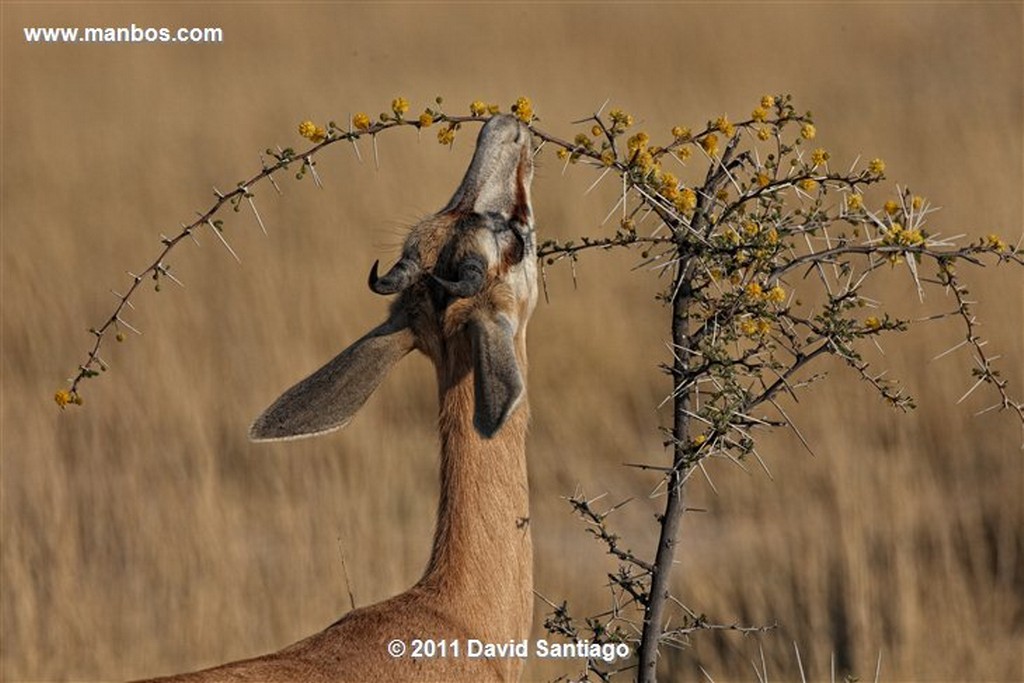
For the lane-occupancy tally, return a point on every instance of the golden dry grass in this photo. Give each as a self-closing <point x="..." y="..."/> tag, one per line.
<point x="143" y="534"/>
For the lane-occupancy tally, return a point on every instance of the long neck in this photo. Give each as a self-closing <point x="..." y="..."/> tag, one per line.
<point x="482" y="560"/>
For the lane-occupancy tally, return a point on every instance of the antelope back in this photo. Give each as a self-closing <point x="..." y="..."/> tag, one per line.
<point x="465" y="286"/>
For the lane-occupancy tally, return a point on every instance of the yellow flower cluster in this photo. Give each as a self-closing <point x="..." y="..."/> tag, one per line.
<point x="710" y="144"/>
<point x="620" y="120"/>
<point x="581" y="140"/>
<point x="755" y="328"/>
<point x="808" y="184"/>
<point x="523" y="109"/>
<point x="754" y="290"/>
<point x="762" y="179"/>
<point x="995" y="242"/>
<point x="775" y="295"/>
<point x="478" y="108"/>
<point x="763" y="133"/>
<point x="872" y="324"/>
<point x="898" y="236"/>
<point x="669" y="187"/>
<point x="723" y="126"/>
<point x="819" y="156"/>
<point x="855" y="202"/>
<point x="64" y="397"/>
<point x="876" y="166"/>
<point x="808" y="131"/>
<point x="687" y="200"/>
<point x="400" y="106"/>
<point x="767" y="101"/>
<point x="361" y="121"/>
<point x="607" y="157"/>
<point x="892" y="207"/>
<point x="760" y="114"/>
<point x="446" y="135"/>
<point x="638" y="143"/>
<point x="917" y="203"/>
<point x="311" y="131"/>
<point x="681" y="133"/>
<point x="426" y="120"/>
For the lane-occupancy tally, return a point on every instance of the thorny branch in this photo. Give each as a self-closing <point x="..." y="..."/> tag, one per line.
<point x="736" y="242"/>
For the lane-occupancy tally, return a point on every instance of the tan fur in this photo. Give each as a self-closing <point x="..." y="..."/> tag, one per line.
<point x="478" y="583"/>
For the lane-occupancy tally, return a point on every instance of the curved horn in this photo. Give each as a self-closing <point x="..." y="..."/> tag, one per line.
<point x="395" y="280"/>
<point x="470" y="278"/>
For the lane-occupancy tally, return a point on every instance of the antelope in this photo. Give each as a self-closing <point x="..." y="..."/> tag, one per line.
<point x="466" y="286"/>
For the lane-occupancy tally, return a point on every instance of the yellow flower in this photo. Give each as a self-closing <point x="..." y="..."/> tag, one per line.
<point x="917" y="202"/>
<point x="493" y="109"/>
<point x="699" y="439"/>
<point x="855" y="202"/>
<point x="776" y="295"/>
<point x="684" y="153"/>
<point x="808" y="131"/>
<point x="892" y="207"/>
<point x="773" y="237"/>
<point x="645" y="162"/>
<point x="523" y="109"/>
<point x="760" y="114"/>
<point x="426" y="119"/>
<point x="995" y="243"/>
<point x="311" y="131"/>
<point x="767" y="101"/>
<point x="669" y="186"/>
<point x="763" y="133"/>
<point x="638" y="142"/>
<point x="762" y="179"/>
<point x="607" y="157"/>
<point x="876" y="166"/>
<point x="808" y="184"/>
<point x="731" y="237"/>
<point x="687" y="200"/>
<point x="710" y="144"/>
<point x="596" y="131"/>
<point x="399" y="105"/>
<point x="63" y="397"/>
<point x="723" y="125"/>
<point x="754" y="290"/>
<point x="620" y="120"/>
<point x="477" y="108"/>
<point x="750" y="228"/>
<point x="748" y="327"/>
<point x="361" y="121"/>
<point x="582" y="140"/>
<point x="819" y="156"/>
<point x="681" y="133"/>
<point x="562" y="153"/>
<point x="446" y="135"/>
<point x="897" y="236"/>
<point x="872" y="323"/>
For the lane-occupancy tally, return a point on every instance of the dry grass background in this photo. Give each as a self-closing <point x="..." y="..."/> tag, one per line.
<point x="143" y="534"/>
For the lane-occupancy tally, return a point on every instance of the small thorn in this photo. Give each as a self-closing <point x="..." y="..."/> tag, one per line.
<point x="222" y="240"/>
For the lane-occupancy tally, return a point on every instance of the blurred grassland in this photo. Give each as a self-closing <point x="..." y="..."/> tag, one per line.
<point x="143" y="534"/>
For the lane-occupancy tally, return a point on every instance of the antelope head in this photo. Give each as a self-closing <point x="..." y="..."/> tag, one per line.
<point x="465" y="286"/>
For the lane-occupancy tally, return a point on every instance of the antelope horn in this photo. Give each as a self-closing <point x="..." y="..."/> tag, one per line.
<point x="395" y="280"/>
<point x="470" y="278"/>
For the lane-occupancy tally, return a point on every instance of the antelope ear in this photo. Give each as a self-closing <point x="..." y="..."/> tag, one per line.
<point x="497" y="382"/>
<point x="327" y="399"/>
